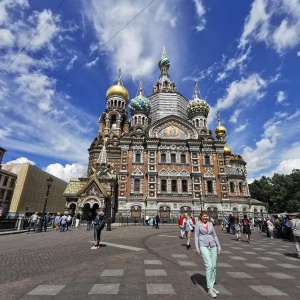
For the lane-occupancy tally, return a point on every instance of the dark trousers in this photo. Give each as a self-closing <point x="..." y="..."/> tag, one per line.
<point x="32" y="224"/>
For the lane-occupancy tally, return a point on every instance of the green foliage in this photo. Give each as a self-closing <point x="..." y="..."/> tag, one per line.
<point x="281" y="192"/>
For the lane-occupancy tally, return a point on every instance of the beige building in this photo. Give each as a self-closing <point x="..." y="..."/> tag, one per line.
<point x="30" y="190"/>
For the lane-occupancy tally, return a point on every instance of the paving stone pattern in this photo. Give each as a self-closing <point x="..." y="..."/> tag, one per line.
<point x="154" y="264"/>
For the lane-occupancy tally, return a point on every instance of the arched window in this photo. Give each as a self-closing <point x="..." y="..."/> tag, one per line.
<point x="231" y="187"/>
<point x="241" y="188"/>
<point x="163" y="185"/>
<point x="173" y="158"/>
<point x="163" y="157"/>
<point x="113" y="122"/>
<point x="183" y="158"/>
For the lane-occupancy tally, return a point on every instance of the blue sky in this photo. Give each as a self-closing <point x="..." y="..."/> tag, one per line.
<point x="245" y="56"/>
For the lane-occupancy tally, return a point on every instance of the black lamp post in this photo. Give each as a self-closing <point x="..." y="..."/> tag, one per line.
<point x="108" y="207"/>
<point x="201" y="201"/>
<point x="49" y="182"/>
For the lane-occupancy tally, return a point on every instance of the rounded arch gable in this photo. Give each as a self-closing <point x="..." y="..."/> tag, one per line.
<point x="173" y="128"/>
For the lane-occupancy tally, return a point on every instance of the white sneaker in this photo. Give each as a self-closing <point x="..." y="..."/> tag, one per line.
<point x="215" y="291"/>
<point x="212" y="294"/>
<point x="95" y="247"/>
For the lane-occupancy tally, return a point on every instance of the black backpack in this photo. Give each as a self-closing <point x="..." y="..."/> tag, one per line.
<point x="100" y="222"/>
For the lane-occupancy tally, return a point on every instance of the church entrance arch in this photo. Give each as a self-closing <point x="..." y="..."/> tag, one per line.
<point x="93" y="209"/>
<point x="164" y="212"/>
<point x="86" y="210"/>
<point x="72" y="209"/>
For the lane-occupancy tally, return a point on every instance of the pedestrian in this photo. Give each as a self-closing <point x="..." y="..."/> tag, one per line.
<point x="227" y="225"/>
<point x="69" y="221"/>
<point x="181" y="229"/>
<point x="246" y="228"/>
<point x="77" y="220"/>
<point x="270" y="227"/>
<point x="208" y="246"/>
<point x="288" y="228"/>
<point x="32" y="222"/>
<point x="99" y="224"/>
<point x="296" y="232"/>
<point x="157" y="220"/>
<point x="237" y="227"/>
<point x="89" y="220"/>
<point x="57" y="221"/>
<point x="278" y="228"/>
<point x="63" y="223"/>
<point x="47" y="221"/>
<point x="188" y="227"/>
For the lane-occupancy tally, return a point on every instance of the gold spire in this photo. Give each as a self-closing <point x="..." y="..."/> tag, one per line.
<point x="118" y="89"/>
<point x="220" y="130"/>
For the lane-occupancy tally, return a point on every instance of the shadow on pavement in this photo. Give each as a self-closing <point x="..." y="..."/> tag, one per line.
<point x="199" y="279"/>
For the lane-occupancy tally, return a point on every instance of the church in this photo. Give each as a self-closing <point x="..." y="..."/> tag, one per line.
<point x="161" y="159"/>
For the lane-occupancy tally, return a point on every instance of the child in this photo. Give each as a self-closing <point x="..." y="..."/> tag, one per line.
<point x="237" y="229"/>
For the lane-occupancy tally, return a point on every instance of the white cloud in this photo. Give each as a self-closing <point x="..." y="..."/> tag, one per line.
<point x="133" y="48"/>
<point x="49" y="31"/>
<point x="275" y="144"/>
<point x="20" y="160"/>
<point x="6" y="38"/>
<point x="275" y="23"/>
<point x="92" y="63"/>
<point x="241" y="128"/>
<point x="200" y="10"/>
<point x="71" y="63"/>
<point x="66" y="172"/>
<point x="234" y="117"/>
<point x="245" y="88"/>
<point x="281" y="97"/>
<point x="287" y="166"/>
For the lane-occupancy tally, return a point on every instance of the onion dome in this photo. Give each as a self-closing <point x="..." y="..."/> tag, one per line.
<point x="197" y="106"/>
<point x="140" y="104"/>
<point x="118" y="89"/>
<point x="164" y="61"/>
<point x="220" y="130"/>
<point x="227" y="150"/>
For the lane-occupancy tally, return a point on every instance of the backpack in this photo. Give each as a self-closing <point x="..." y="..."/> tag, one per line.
<point x="100" y="222"/>
<point x="245" y="222"/>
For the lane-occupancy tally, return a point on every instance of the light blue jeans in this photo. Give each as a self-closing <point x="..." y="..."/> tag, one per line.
<point x="209" y="255"/>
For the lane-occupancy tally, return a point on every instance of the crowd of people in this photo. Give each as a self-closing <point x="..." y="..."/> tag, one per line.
<point x="58" y="222"/>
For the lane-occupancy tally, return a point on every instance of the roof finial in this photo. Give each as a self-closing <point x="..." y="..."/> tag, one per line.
<point x="219" y="116"/>
<point x="140" y="88"/>
<point x="119" y="79"/>
<point x="164" y="54"/>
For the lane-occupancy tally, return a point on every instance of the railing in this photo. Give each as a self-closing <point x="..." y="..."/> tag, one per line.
<point x="8" y="224"/>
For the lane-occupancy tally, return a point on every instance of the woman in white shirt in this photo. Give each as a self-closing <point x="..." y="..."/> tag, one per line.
<point x="208" y="246"/>
<point x="188" y="227"/>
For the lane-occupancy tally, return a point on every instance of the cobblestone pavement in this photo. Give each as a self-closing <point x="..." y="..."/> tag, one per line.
<point x="138" y="262"/>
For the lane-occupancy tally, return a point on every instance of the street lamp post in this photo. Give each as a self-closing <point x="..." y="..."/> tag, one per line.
<point x="201" y="201"/>
<point x="108" y="207"/>
<point x="49" y="182"/>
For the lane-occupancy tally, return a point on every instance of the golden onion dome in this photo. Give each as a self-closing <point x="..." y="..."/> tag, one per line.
<point x="118" y="89"/>
<point x="227" y="150"/>
<point x="220" y="130"/>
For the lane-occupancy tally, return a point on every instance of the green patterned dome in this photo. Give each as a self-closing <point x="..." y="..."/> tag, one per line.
<point x="198" y="106"/>
<point x="164" y="62"/>
<point x="139" y="104"/>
